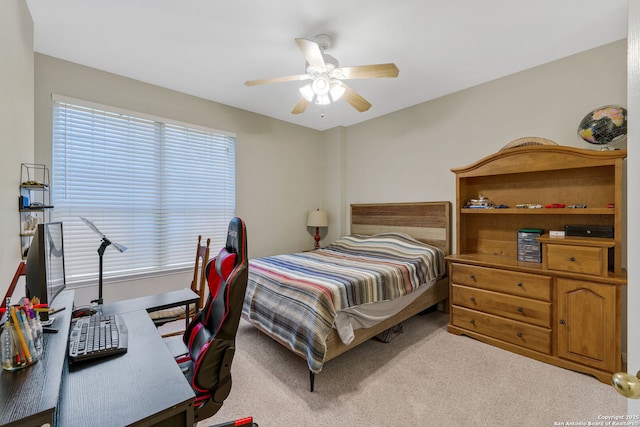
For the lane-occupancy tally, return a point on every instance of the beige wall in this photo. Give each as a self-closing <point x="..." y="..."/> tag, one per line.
<point x="16" y="126"/>
<point x="334" y="167"/>
<point x="408" y="155"/>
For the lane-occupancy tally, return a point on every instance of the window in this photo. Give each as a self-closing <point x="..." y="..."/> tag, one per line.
<point x="146" y="183"/>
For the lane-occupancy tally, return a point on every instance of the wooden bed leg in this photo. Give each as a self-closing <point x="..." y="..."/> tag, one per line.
<point x="445" y="305"/>
<point x="311" y="380"/>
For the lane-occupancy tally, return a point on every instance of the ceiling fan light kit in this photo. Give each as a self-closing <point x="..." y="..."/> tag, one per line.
<point x="307" y="92"/>
<point x="322" y="90"/>
<point x="336" y="90"/>
<point x="327" y="77"/>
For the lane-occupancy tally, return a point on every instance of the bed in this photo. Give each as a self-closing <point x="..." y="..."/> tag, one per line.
<point x="320" y="304"/>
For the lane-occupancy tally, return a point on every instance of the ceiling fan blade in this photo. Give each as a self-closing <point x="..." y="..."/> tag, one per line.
<point x="356" y="101"/>
<point x="278" y="79"/>
<point x="311" y="52"/>
<point x="301" y="106"/>
<point x="367" y="71"/>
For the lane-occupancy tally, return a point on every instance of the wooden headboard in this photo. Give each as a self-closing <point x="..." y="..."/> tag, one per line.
<point x="428" y="222"/>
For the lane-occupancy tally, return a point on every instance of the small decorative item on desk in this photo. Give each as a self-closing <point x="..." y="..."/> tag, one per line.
<point x="21" y="340"/>
<point x="480" y="203"/>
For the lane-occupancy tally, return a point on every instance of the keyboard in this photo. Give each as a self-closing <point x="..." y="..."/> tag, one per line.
<point x="96" y="336"/>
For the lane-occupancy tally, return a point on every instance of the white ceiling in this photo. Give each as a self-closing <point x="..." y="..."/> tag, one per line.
<point x="209" y="48"/>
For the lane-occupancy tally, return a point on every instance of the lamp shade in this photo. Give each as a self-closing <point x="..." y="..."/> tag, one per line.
<point x="307" y="92"/>
<point x="317" y="218"/>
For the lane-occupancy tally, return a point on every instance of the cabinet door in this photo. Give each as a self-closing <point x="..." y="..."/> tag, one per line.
<point x="587" y="323"/>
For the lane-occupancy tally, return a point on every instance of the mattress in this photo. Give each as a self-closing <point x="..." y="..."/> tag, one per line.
<point x="298" y="297"/>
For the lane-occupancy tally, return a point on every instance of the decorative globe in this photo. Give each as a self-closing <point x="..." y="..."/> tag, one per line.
<point x="604" y="126"/>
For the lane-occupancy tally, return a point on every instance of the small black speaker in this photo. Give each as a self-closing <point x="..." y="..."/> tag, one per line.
<point x="589" y="231"/>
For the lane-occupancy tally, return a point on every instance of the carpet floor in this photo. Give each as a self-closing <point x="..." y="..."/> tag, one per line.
<point x="424" y="377"/>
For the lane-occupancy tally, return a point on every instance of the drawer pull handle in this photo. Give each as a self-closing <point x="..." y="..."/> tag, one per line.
<point x="562" y="322"/>
<point x="572" y="259"/>
<point x="473" y="322"/>
<point x="520" y="310"/>
<point x="519" y="334"/>
<point x="472" y="276"/>
<point x="473" y="299"/>
<point x="519" y="284"/>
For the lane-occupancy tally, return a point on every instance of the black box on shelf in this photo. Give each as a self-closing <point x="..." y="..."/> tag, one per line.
<point x="589" y="231"/>
<point x="529" y="249"/>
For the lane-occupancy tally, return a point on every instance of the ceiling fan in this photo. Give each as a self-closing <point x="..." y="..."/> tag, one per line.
<point x="327" y="78"/>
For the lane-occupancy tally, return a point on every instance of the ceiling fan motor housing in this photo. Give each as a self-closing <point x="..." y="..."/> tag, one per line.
<point x="323" y="41"/>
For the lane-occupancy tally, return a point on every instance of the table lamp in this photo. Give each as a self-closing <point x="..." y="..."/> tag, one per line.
<point x="317" y="219"/>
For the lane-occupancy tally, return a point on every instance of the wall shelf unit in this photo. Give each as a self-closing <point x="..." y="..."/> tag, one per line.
<point x="34" y="201"/>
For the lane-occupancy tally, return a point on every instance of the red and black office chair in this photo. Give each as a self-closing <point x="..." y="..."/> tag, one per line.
<point x="210" y="337"/>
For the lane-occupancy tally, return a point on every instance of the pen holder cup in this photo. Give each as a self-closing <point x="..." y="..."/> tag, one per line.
<point x="18" y="348"/>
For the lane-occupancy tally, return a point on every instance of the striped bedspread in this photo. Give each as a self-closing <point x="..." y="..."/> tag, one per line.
<point x="296" y="296"/>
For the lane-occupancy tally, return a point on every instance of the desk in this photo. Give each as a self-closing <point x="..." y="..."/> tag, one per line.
<point x="142" y="387"/>
<point x="152" y="303"/>
<point x="29" y="396"/>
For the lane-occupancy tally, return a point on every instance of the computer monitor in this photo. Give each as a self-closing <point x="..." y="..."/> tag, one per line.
<point x="45" y="275"/>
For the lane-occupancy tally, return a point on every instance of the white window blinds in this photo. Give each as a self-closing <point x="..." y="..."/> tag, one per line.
<point x="147" y="184"/>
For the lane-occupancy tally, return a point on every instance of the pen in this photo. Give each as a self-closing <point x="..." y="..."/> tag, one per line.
<point x="18" y="330"/>
<point x="40" y="307"/>
<point x="55" y="310"/>
<point x="26" y="330"/>
<point x="18" y="353"/>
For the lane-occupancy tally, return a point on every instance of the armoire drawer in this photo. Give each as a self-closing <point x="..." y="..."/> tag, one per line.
<point x="513" y="307"/>
<point x="510" y="282"/>
<point x="511" y="331"/>
<point x="576" y="259"/>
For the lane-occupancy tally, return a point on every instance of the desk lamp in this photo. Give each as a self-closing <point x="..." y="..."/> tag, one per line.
<point x="105" y="243"/>
<point x="317" y="219"/>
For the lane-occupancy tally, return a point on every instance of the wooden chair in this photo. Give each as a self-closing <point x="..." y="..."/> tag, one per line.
<point x="199" y="282"/>
<point x="198" y="285"/>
